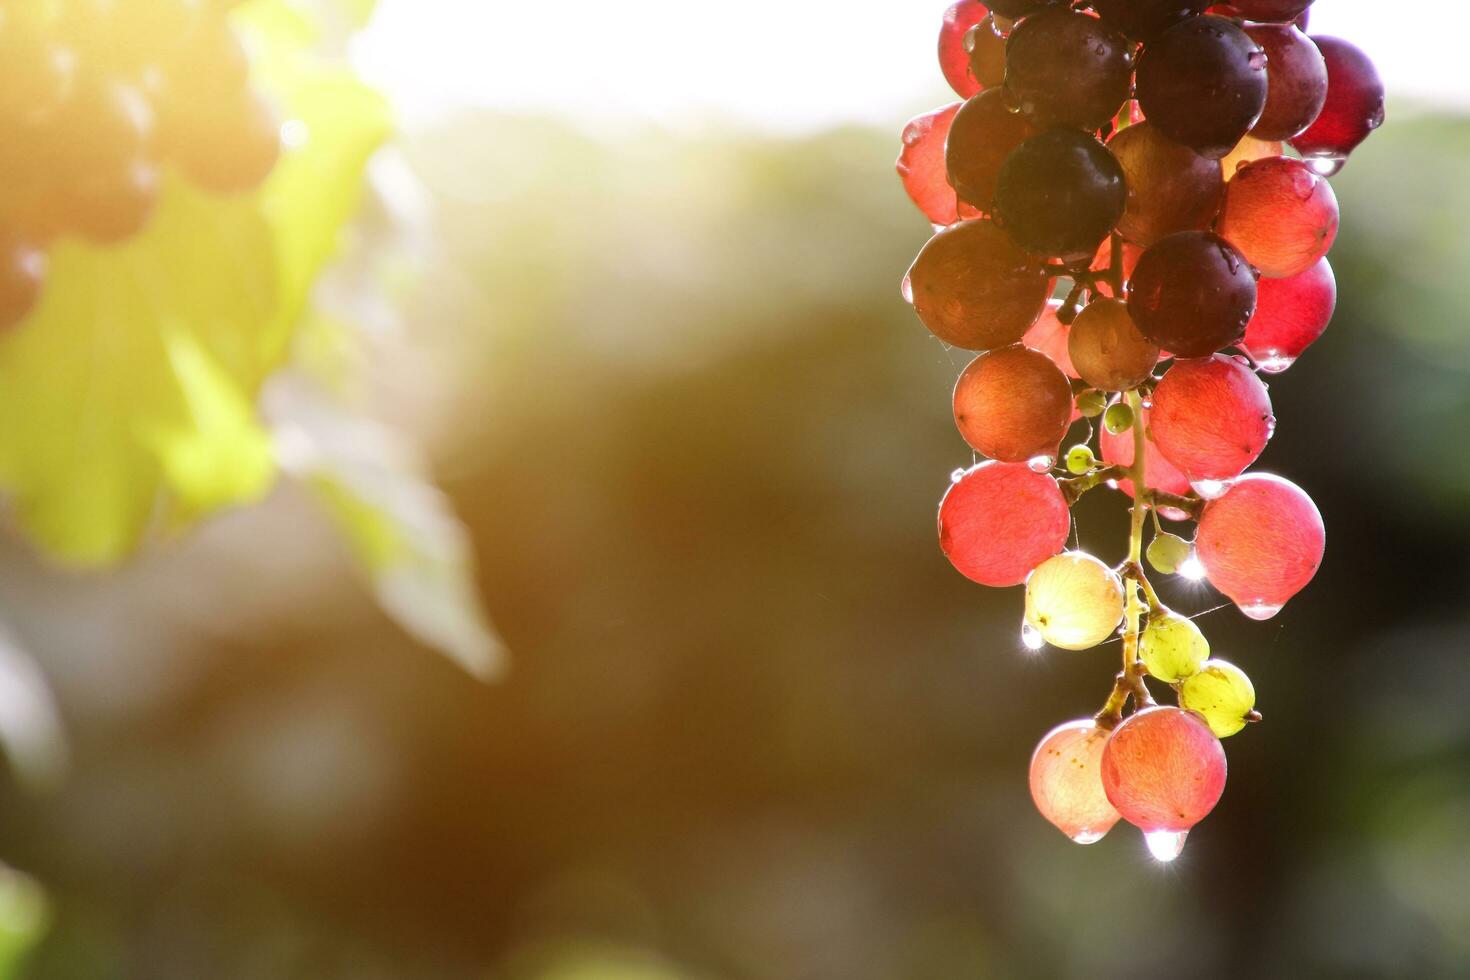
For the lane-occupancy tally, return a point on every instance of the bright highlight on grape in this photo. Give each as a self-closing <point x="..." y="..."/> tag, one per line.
<point x="1125" y="239"/>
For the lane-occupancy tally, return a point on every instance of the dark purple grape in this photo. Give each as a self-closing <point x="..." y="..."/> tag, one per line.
<point x="981" y="138"/>
<point x="1203" y="83"/>
<point x="1271" y="11"/>
<point x="1192" y="294"/>
<point x="1297" y="81"/>
<point x="1065" y="68"/>
<point x="1142" y="19"/>
<point x="1060" y="193"/>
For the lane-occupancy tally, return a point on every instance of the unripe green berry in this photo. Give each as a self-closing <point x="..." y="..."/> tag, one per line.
<point x="1091" y="403"/>
<point x="1118" y="418"/>
<point x="1166" y="552"/>
<point x="1080" y="460"/>
<point x="1172" y="647"/>
<point x="1222" y="695"/>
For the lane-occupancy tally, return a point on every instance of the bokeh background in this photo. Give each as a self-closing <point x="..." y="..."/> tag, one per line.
<point x="755" y="728"/>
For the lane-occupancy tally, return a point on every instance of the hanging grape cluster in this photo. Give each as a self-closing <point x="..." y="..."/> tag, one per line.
<point x="1132" y="218"/>
<point x="99" y="100"/>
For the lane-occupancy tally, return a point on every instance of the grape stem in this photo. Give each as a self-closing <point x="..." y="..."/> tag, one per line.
<point x="1129" y="681"/>
<point x="1073" y="489"/>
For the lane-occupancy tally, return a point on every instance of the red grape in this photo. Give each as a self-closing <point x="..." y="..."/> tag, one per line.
<point x="1203" y="83"/>
<point x="1261" y="543"/>
<point x="1281" y="215"/>
<point x="981" y="139"/>
<point x="1013" y="404"/>
<point x="1107" y="349"/>
<point x="1142" y="19"/>
<point x="1049" y="335"/>
<point x="974" y="288"/>
<point x="987" y="50"/>
<point x="1016" y="9"/>
<point x="1163" y="769"/>
<point x="1297" y="81"/>
<point x="1271" y="11"/>
<point x="1064" y="68"/>
<point x="1001" y="520"/>
<point x="1211" y="417"/>
<point x="1192" y="294"/>
<point x="1060" y="193"/>
<point x="921" y="165"/>
<point x="954" y="60"/>
<point x="1066" y="781"/>
<point x="1354" y="106"/>
<point x="1290" y="315"/>
<point x="22" y="273"/>
<point x="1117" y="450"/>
<point x="1170" y="187"/>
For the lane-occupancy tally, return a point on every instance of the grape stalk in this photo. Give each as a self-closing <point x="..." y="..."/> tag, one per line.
<point x="1132" y="215"/>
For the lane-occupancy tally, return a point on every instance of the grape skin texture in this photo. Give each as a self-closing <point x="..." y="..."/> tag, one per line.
<point x="1065" y="68"/>
<point x="1261" y="542"/>
<point x="1074" y="601"/>
<point x="1060" y="193"/>
<point x="1222" y="695"/>
<point x="1000" y="521"/>
<point x="1211" y="417"/>
<point x="1192" y="294"/>
<point x="1163" y="769"/>
<point x="1281" y="216"/>
<point x="1354" y="106"/>
<point x="1203" y="83"/>
<point x="1290" y="315"/>
<point x="1050" y="336"/>
<point x="1066" y="781"/>
<point x="921" y="165"/>
<point x="1170" y="187"/>
<point x="974" y="288"/>
<point x="1172" y="647"/>
<point x="1117" y="450"/>
<point x="981" y="138"/>
<point x="1012" y="404"/>
<point x="1296" y="75"/>
<point x="954" y="60"/>
<point x="1107" y="349"/>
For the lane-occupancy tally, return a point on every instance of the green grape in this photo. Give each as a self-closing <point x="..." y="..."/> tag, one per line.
<point x="1080" y="460"/>
<point x="1166" y="552"/>
<point x="1074" y="601"/>
<point x="1172" y="647"/>
<point x="1118" y="418"/>
<point x="1091" y="404"/>
<point x="1221" y="694"/>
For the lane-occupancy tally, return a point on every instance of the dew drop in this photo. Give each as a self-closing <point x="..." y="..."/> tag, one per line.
<point x="1192" y="568"/>
<point x="1088" y="836"/>
<point x="1260" y="610"/>
<point x="1041" y="464"/>
<point x="1257" y="59"/>
<point x="1273" y="361"/>
<point x="1326" y="166"/>
<point x="956" y="476"/>
<point x="1031" y="637"/>
<point x="1211" y="489"/>
<point x="1173" y="514"/>
<point x="1165" y="845"/>
<point x="912" y="133"/>
<point x="907" y="288"/>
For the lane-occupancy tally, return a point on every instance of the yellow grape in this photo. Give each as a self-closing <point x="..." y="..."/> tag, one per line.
<point x="1074" y="601"/>
<point x="1172" y="647"/>
<point x="1221" y="694"/>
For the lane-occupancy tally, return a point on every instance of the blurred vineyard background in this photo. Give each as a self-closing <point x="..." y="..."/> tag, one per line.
<point x="755" y="727"/>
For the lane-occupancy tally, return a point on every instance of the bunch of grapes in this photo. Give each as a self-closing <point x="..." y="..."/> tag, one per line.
<point x="98" y="100"/>
<point x="1132" y="191"/>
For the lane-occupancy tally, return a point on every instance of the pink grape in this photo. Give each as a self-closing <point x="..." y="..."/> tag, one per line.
<point x="1050" y="335"/>
<point x="1163" y="769"/>
<point x="921" y="166"/>
<point x="1013" y="404"/>
<point x="974" y="288"/>
<point x="1117" y="450"/>
<point x="1001" y="520"/>
<point x="1290" y="315"/>
<point x="1296" y="77"/>
<point x="1354" y="105"/>
<point x="1211" y="417"/>
<point x="1066" y="781"/>
<point x="1261" y="542"/>
<point x="1280" y="214"/>
<point x="954" y="60"/>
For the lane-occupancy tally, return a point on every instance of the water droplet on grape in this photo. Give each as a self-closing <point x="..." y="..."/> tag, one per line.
<point x="1211" y="489"/>
<point x="1041" y="464"/>
<point x="1031" y="637"/>
<point x="1192" y="568"/>
<point x="1165" y="845"/>
<point x="1274" y="362"/>
<point x="907" y="288"/>
<point x="1326" y="166"/>
<point x="956" y="476"/>
<point x="1257" y="59"/>
<point x="294" y="133"/>
<point x="912" y="133"/>
<point x="1260" y="610"/>
<point x="1088" y="837"/>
